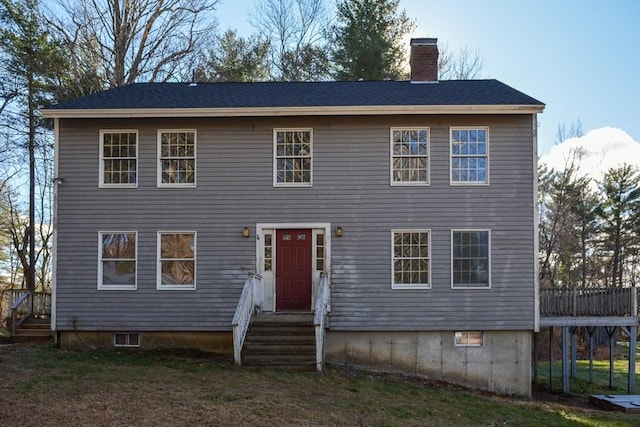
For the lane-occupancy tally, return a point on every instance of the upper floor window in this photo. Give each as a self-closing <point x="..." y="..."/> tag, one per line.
<point x="411" y="259"/>
<point x="119" y="158"/>
<point x="117" y="260"/>
<point x="176" y="260"/>
<point x="469" y="155"/>
<point x="470" y="260"/>
<point x="409" y="156"/>
<point x="176" y="158"/>
<point x="292" y="161"/>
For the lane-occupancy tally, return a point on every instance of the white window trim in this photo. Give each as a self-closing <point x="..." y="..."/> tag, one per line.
<point x="101" y="183"/>
<point x="428" y="155"/>
<point x="160" y="184"/>
<point x="465" y="230"/>
<point x="455" y="341"/>
<point x="451" y="156"/>
<point x="128" y="335"/>
<point x="159" y="285"/>
<point x="104" y="287"/>
<point x="275" y="158"/>
<point x="403" y="286"/>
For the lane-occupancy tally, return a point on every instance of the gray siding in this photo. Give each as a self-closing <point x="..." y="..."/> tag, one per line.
<point x="350" y="189"/>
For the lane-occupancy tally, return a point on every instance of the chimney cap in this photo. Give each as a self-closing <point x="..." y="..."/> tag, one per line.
<point x="424" y="41"/>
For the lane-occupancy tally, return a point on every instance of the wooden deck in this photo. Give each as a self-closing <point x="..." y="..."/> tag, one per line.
<point x="614" y="309"/>
<point x="596" y="306"/>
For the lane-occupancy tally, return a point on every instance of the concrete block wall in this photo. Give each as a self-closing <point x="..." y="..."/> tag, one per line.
<point x="501" y="365"/>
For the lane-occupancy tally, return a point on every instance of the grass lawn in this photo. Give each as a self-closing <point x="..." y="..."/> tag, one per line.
<point x="45" y="386"/>
<point x="581" y="385"/>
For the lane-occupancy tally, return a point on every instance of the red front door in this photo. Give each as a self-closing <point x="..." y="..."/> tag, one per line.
<point x="293" y="270"/>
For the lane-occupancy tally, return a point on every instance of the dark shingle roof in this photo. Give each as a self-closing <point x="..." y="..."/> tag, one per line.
<point x="301" y="94"/>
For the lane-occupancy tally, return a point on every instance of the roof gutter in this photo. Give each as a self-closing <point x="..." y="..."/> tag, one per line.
<point x="291" y="111"/>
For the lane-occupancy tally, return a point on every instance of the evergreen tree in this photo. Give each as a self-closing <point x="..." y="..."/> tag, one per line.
<point x="619" y="213"/>
<point x="235" y="59"/>
<point x="367" y="40"/>
<point x="32" y="61"/>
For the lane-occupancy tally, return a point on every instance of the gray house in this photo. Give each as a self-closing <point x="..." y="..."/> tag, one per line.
<point x="399" y="216"/>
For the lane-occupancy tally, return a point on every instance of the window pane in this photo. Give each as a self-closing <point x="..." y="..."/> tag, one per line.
<point x="293" y="157"/>
<point x="177" y="157"/>
<point x="177" y="245"/>
<point x="469" y="156"/>
<point x="178" y="272"/>
<point x="118" y="273"/>
<point x="119" y="157"/>
<point x="410" y="258"/>
<point x="409" y="154"/>
<point x="119" y="245"/>
<point x="470" y="263"/>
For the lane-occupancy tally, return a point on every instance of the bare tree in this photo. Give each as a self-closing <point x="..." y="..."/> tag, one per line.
<point x="295" y="30"/>
<point x="463" y="64"/>
<point x="117" y="42"/>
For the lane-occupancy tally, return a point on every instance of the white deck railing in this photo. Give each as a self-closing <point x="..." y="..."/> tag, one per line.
<point x="242" y="317"/>
<point x="22" y="304"/>
<point x="323" y="299"/>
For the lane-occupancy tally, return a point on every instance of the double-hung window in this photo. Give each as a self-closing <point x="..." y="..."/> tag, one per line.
<point x="471" y="259"/>
<point x="469" y="156"/>
<point x="176" y="260"/>
<point x="292" y="160"/>
<point x="411" y="266"/>
<point x="119" y="158"/>
<point x="176" y="158"/>
<point x="410" y="156"/>
<point x="117" y="260"/>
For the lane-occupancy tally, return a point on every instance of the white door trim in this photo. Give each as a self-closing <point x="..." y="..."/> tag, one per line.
<point x="266" y="298"/>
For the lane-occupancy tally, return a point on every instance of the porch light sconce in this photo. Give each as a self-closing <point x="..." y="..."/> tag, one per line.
<point x="338" y="231"/>
<point x="57" y="180"/>
<point x="245" y="232"/>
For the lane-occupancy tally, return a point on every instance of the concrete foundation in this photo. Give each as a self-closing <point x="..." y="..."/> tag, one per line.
<point x="501" y="365"/>
<point x="217" y="342"/>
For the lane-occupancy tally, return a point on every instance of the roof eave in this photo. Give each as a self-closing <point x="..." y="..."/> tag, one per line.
<point x="291" y="111"/>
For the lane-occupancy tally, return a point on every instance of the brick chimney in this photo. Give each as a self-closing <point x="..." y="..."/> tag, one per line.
<point x="424" y="60"/>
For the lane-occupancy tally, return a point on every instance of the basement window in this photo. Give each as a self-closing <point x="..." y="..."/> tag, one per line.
<point x="126" y="339"/>
<point x="468" y="339"/>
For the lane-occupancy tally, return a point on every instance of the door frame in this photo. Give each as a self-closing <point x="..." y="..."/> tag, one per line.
<point x="266" y="296"/>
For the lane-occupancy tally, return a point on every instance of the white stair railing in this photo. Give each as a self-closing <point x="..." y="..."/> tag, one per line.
<point x="242" y="317"/>
<point x="322" y="308"/>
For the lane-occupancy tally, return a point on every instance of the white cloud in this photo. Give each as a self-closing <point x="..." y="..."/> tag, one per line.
<point x="602" y="149"/>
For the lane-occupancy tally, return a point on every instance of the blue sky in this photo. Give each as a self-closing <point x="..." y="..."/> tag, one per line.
<point x="581" y="58"/>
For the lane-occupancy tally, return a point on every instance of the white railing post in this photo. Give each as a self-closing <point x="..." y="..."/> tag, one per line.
<point x="323" y="299"/>
<point x="242" y="317"/>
